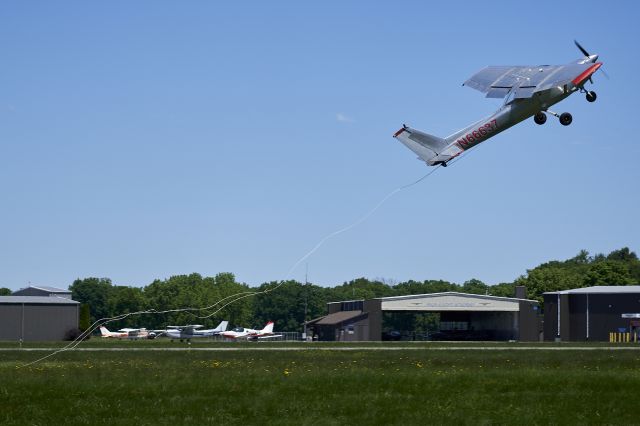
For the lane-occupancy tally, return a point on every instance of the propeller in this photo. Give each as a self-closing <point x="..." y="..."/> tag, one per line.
<point x="585" y="53"/>
<point x="582" y="49"/>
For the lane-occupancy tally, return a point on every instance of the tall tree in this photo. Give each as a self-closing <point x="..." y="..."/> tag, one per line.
<point x="95" y="292"/>
<point x="608" y="272"/>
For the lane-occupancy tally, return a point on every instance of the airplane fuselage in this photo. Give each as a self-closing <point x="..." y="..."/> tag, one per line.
<point x="508" y="115"/>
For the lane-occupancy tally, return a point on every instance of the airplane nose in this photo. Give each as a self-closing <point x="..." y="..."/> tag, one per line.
<point x="593" y="58"/>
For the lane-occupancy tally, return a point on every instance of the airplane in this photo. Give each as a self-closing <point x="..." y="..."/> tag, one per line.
<point x="126" y="333"/>
<point x="251" y="334"/>
<point x="188" y="332"/>
<point x="527" y="91"/>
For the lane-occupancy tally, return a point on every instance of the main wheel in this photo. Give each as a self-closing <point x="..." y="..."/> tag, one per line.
<point x="540" y="118"/>
<point x="591" y="96"/>
<point x="565" y="119"/>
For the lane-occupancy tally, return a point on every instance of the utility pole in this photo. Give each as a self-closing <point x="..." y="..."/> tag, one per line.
<point x="306" y="301"/>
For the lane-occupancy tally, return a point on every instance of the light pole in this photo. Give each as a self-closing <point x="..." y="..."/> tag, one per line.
<point x="306" y="301"/>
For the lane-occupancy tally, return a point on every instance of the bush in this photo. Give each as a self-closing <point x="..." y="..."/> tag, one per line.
<point x="74" y="333"/>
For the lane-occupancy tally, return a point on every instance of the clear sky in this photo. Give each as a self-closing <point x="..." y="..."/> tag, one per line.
<point x="141" y="140"/>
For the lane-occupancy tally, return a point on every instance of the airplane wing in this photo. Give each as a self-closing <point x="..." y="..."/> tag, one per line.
<point x="182" y="327"/>
<point x="498" y="81"/>
<point x="272" y="336"/>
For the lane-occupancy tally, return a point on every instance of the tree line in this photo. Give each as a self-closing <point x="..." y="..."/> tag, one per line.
<point x="293" y="302"/>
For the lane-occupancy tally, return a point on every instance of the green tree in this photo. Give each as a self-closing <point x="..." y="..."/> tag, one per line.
<point x="623" y="255"/>
<point x="503" y="290"/>
<point x="608" y="272"/>
<point x="475" y="286"/>
<point x="84" y="322"/>
<point x="5" y="291"/>
<point x="424" y="287"/>
<point x="95" y="292"/>
<point x="286" y="305"/>
<point x="125" y="300"/>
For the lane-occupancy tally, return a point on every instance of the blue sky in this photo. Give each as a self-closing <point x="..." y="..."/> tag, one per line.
<point x="141" y="140"/>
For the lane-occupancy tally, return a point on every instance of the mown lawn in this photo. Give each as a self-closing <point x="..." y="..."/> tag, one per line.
<point x="321" y="387"/>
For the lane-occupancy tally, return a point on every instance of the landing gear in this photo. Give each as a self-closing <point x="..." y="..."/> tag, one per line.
<point x="591" y="96"/>
<point x="565" y="119"/>
<point x="540" y="118"/>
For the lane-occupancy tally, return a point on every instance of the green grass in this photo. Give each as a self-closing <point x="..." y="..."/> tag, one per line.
<point x="321" y="387"/>
<point x="98" y="342"/>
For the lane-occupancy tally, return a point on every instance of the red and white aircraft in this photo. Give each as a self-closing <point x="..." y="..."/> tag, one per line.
<point x="125" y="333"/>
<point x="251" y="334"/>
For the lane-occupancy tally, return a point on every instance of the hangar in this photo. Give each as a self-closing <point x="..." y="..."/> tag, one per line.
<point x="591" y="313"/>
<point x="37" y="318"/>
<point x="462" y="316"/>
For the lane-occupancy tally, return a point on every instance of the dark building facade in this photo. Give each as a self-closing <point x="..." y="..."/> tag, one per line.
<point x="590" y="313"/>
<point x="462" y="317"/>
<point x="37" y="318"/>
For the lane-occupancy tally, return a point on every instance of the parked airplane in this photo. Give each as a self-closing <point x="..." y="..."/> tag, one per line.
<point x="188" y="332"/>
<point x="251" y="334"/>
<point x="528" y="91"/>
<point x="125" y="333"/>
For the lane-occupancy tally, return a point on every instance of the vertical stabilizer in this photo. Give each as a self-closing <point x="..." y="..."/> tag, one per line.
<point x="222" y="326"/>
<point x="268" y="328"/>
<point x="433" y="150"/>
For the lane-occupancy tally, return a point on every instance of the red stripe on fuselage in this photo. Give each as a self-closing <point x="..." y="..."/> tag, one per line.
<point x="587" y="73"/>
<point x="398" y="132"/>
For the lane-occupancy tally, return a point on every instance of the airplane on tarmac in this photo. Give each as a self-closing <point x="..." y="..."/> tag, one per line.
<point x="188" y="332"/>
<point x="527" y="91"/>
<point x="126" y="333"/>
<point x="251" y="334"/>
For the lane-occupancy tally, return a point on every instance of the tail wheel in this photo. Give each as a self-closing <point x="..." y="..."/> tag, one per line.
<point x="540" y="118"/>
<point x="565" y="118"/>
<point x="591" y="96"/>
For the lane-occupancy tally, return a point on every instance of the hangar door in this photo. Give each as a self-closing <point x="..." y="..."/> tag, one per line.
<point x="462" y="316"/>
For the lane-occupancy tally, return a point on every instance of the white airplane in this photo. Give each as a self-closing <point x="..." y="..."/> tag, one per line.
<point x="125" y="333"/>
<point x="188" y="332"/>
<point x="251" y="334"/>
<point x="528" y="91"/>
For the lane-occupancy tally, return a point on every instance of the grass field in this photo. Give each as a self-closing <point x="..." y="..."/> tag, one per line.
<point x="417" y="385"/>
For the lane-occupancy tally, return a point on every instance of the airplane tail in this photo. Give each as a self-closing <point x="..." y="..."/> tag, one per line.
<point x="103" y="331"/>
<point x="268" y="328"/>
<point x="428" y="147"/>
<point x="222" y="326"/>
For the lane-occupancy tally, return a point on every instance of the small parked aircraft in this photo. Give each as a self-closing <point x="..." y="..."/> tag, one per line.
<point x="251" y="334"/>
<point x="528" y="91"/>
<point x="188" y="332"/>
<point x="125" y="333"/>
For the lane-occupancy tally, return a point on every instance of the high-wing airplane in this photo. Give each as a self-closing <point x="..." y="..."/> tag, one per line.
<point x="527" y="91"/>
<point x="188" y="332"/>
<point x="125" y="333"/>
<point x="251" y="334"/>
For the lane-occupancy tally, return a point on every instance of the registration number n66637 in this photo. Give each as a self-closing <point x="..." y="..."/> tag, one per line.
<point x="478" y="134"/>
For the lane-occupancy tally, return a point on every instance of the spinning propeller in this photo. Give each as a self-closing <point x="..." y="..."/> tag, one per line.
<point x="592" y="58"/>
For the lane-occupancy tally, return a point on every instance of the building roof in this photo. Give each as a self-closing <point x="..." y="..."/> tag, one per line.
<point x="47" y="288"/>
<point x="450" y="293"/>
<point x="600" y="289"/>
<point x="346" y="301"/>
<point x="335" y="318"/>
<point x="40" y="300"/>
